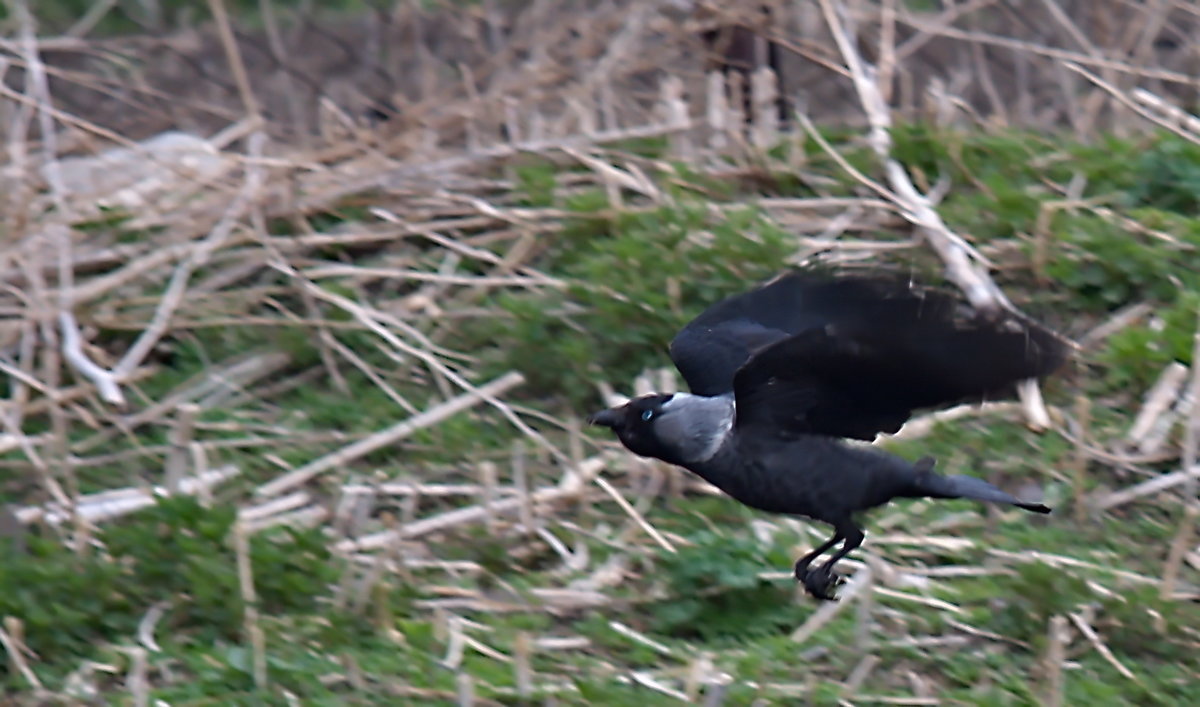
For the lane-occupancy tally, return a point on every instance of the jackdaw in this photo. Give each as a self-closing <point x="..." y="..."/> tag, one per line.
<point x="781" y="374"/>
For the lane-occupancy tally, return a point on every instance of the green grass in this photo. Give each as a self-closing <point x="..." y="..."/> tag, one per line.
<point x="633" y="277"/>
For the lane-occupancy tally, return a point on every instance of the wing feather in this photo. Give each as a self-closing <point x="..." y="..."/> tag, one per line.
<point x="899" y="350"/>
<point x="713" y="346"/>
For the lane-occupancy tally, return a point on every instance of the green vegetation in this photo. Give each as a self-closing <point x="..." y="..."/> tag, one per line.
<point x="630" y="277"/>
<point x="137" y="16"/>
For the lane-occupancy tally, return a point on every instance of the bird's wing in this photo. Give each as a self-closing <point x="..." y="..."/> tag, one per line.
<point x="709" y="356"/>
<point x="713" y="346"/>
<point x="900" y="350"/>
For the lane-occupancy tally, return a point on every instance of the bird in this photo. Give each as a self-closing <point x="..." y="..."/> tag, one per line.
<point x="784" y="377"/>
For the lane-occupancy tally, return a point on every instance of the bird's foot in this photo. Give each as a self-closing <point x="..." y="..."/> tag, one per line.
<point x="822" y="583"/>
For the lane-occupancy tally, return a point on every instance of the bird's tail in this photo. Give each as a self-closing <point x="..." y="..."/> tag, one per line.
<point x="929" y="483"/>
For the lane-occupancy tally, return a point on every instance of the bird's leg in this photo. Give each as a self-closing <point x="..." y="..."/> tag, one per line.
<point x="803" y="563"/>
<point x="822" y="581"/>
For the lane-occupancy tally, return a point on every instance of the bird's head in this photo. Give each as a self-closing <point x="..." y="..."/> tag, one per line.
<point x="677" y="428"/>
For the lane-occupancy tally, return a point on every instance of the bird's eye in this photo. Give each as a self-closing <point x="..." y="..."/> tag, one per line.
<point x="647" y="415"/>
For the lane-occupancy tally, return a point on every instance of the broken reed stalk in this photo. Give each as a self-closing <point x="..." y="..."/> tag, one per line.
<point x="137" y="681"/>
<point x="72" y="351"/>
<point x="455" y="642"/>
<point x="487" y="495"/>
<point x="464" y="689"/>
<point x="520" y="476"/>
<point x="254" y="632"/>
<point x="866" y="606"/>
<point x="1191" y="504"/>
<point x="1157" y="403"/>
<point x="180" y="438"/>
<point x="1056" y="654"/>
<point x="146" y="627"/>
<point x="522" y="665"/>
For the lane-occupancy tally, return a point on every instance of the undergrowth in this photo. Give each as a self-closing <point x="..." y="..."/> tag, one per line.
<point x="632" y="278"/>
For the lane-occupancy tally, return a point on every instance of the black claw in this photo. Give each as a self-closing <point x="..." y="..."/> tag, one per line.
<point x="822" y="583"/>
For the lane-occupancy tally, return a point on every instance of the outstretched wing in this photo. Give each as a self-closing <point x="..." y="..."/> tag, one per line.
<point x="713" y="346"/>
<point x="888" y="351"/>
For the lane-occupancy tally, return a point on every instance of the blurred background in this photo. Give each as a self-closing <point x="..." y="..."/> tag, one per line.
<point x="302" y="305"/>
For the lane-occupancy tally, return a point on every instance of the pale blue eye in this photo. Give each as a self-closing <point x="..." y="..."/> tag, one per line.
<point x="647" y="415"/>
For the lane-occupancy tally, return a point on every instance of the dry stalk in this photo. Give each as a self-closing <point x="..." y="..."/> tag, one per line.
<point x="180" y="440"/>
<point x="38" y="87"/>
<point x="641" y="639"/>
<point x="1169" y="123"/>
<point x="1158" y="401"/>
<point x="137" y="681"/>
<point x="487" y="481"/>
<point x="1191" y="503"/>
<point x="11" y="635"/>
<point x="106" y="505"/>
<point x="1158" y="484"/>
<point x="254" y="632"/>
<point x="523" y="670"/>
<point x="389" y="435"/>
<point x="145" y="629"/>
<point x="1182" y="119"/>
<point x="72" y="350"/>
<point x="645" y="679"/>
<point x="233" y="56"/>
<point x="465" y="689"/>
<point x="1063" y="561"/>
<point x="521" y="482"/>
<point x="572" y="485"/>
<point x="963" y="263"/>
<point x="1056" y="653"/>
<point x="1094" y="638"/>
<point x="428" y="353"/>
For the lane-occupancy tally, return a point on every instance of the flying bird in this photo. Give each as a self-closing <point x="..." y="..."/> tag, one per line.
<point x="782" y="375"/>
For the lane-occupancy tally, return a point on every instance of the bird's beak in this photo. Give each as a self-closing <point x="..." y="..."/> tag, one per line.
<point x="608" y="418"/>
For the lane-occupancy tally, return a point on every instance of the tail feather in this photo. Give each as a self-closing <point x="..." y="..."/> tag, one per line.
<point x="933" y="485"/>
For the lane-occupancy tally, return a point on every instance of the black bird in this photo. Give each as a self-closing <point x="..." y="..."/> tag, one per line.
<point x="780" y="374"/>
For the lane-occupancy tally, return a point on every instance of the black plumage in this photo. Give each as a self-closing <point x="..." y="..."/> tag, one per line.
<point x="780" y="374"/>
